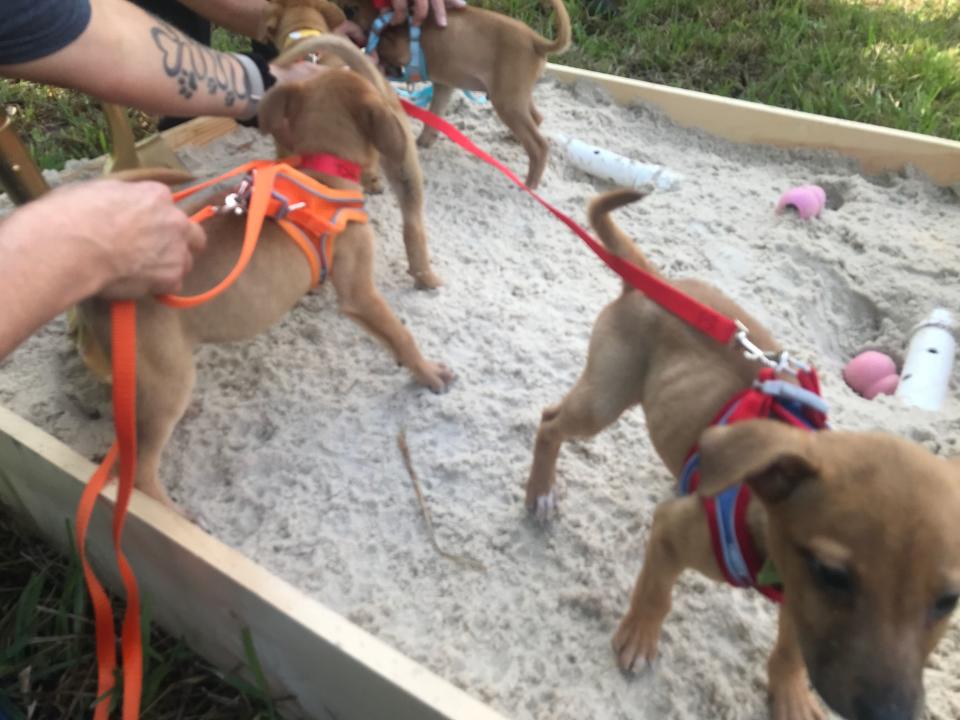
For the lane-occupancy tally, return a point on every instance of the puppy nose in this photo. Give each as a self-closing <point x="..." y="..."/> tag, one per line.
<point x="886" y="704"/>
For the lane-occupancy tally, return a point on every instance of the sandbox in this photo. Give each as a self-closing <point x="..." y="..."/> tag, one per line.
<point x="288" y="458"/>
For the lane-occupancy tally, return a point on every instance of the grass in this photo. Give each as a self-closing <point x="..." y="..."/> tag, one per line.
<point x="887" y="62"/>
<point x="47" y="656"/>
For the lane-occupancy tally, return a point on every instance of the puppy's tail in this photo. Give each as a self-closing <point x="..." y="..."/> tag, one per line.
<point x="564" y="32"/>
<point x="351" y="55"/>
<point x="612" y="236"/>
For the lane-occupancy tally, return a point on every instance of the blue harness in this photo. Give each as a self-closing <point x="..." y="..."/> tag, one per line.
<point x="415" y="70"/>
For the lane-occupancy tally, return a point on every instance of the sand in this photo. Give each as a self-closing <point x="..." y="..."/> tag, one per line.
<point x="288" y="450"/>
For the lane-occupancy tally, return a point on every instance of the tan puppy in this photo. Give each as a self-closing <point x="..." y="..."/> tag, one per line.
<point x="483" y="51"/>
<point x="336" y="112"/>
<point x="294" y="25"/>
<point x="863" y="527"/>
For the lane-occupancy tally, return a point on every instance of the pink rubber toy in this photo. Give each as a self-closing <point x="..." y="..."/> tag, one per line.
<point x="808" y="200"/>
<point x="871" y="373"/>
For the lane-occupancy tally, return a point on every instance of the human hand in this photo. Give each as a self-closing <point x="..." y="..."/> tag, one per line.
<point x="421" y="8"/>
<point x="352" y="31"/>
<point x="134" y="239"/>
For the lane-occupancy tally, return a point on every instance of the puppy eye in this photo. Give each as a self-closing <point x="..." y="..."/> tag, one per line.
<point x="945" y="605"/>
<point x="350" y="11"/>
<point x="829" y="577"/>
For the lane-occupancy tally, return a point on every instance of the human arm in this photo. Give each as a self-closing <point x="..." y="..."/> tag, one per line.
<point x="126" y="56"/>
<point x="115" y="239"/>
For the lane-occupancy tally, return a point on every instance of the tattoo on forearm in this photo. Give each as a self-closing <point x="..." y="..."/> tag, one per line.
<point x="195" y="65"/>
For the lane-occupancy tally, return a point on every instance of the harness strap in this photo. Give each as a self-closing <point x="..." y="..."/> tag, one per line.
<point x="703" y="318"/>
<point x="734" y="550"/>
<point x="123" y="317"/>
<point x="415" y="70"/>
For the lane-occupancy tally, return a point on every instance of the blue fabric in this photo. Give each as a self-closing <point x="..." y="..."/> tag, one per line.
<point x="33" y="29"/>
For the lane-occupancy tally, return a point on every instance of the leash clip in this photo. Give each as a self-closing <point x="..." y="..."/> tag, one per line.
<point x="778" y="361"/>
<point x="236" y="202"/>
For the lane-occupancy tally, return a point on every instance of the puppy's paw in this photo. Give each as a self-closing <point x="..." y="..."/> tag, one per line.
<point x="426" y="280"/>
<point x="426" y="139"/>
<point x="793" y="700"/>
<point x="436" y="376"/>
<point x="542" y="507"/>
<point x="635" y="639"/>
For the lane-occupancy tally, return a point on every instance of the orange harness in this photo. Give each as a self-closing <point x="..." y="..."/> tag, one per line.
<point x="312" y="214"/>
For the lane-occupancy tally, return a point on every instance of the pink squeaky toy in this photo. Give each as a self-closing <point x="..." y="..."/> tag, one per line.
<point x="808" y="200"/>
<point x="872" y="373"/>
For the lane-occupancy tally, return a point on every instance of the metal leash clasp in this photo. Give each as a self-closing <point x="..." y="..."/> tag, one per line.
<point x="779" y="361"/>
<point x="236" y="202"/>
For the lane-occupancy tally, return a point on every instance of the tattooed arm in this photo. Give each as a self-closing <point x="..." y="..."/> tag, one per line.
<point x="129" y="57"/>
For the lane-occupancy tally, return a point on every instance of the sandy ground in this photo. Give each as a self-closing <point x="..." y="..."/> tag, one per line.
<point x="288" y="451"/>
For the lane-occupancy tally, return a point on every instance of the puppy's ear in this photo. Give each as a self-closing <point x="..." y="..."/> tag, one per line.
<point x="384" y="128"/>
<point x="332" y="15"/>
<point x="773" y="458"/>
<point x="279" y="111"/>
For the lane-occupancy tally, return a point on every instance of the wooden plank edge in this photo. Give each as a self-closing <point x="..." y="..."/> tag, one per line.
<point x="198" y="131"/>
<point x="877" y="149"/>
<point x="208" y="593"/>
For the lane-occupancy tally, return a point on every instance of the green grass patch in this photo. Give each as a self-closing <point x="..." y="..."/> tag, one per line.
<point x="887" y="62"/>
<point x="48" y="658"/>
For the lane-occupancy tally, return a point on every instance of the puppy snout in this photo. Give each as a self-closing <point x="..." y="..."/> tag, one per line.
<point x="887" y="703"/>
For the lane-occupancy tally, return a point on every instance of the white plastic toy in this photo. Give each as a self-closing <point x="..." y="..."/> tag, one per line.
<point x="616" y="168"/>
<point x="929" y="364"/>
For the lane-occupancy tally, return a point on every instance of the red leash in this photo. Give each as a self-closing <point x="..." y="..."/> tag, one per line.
<point x="705" y="319"/>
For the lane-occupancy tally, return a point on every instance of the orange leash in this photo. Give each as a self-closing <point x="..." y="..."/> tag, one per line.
<point x="123" y="318"/>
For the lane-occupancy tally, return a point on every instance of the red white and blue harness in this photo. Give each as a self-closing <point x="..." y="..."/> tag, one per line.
<point x="798" y="405"/>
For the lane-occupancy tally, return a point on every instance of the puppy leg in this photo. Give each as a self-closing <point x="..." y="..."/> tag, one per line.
<point x="535" y="114"/>
<point x="165" y="379"/>
<point x="438" y="106"/>
<point x="522" y="124"/>
<point x="361" y="301"/>
<point x="679" y="539"/>
<point x="609" y="384"/>
<point x="789" y="685"/>
<point x="406" y="180"/>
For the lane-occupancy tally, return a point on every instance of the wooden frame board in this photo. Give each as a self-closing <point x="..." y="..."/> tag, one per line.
<point x="877" y="149"/>
<point x="208" y="593"/>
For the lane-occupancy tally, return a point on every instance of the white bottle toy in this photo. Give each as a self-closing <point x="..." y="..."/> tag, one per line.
<point x="618" y="169"/>
<point x="929" y="364"/>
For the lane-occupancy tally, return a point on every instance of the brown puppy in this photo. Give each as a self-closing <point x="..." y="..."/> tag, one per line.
<point x="332" y="112"/>
<point x="861" y="526"/>
<point x="294" y="25"/>
<point x="484" y="51"/>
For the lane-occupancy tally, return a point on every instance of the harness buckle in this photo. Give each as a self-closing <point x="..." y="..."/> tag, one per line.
<point x="236" y="202"/>
<point x="778" y="361"/>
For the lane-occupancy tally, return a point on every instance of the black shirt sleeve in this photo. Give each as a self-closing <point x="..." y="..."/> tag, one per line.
<point x="32" y="29"/>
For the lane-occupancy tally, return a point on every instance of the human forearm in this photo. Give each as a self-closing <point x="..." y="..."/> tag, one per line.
<point x="246" y="17"/>
<point x="115" y="239"/>
<point x="163" y="71"/>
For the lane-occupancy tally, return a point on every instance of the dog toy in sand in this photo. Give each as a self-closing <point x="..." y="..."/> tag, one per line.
<point x="872" y="373"/>
<point x="808" y="200"/>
